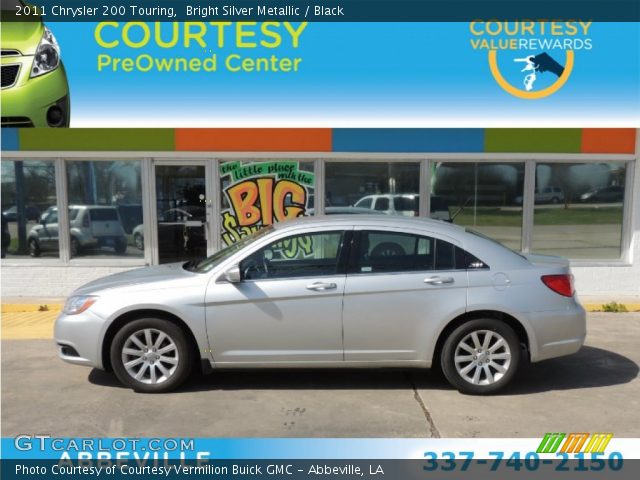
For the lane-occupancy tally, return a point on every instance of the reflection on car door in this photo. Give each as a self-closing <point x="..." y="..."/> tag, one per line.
<point x="288" y="306"/>
<point x="399" y="287"/>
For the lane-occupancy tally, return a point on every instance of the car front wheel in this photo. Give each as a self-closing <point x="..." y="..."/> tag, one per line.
<point x="34" y="248"/>
<point x="151" y="355"/>
<point x="481" y="356"/>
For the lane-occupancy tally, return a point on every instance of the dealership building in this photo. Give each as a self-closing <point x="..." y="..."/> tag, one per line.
<point x="79" y="204"/>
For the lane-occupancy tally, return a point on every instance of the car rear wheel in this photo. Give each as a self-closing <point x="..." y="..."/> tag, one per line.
<point x="151" y="355"/>
<point x="481" y="356"/>
<point x="121" y="246"/>
<point x="34" y="248"/>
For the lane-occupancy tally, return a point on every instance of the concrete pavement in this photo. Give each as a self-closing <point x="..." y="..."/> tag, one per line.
<point x="595" y="390"/>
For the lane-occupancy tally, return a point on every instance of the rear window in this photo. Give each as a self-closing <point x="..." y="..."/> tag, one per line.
<point x="406" y="203"/>
<point x="103" y="214"/>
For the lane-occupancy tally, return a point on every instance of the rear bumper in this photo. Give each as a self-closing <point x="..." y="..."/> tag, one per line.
<point x="557" y="333"/>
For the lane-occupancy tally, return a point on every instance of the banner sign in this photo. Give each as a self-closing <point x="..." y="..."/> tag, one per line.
<point x="262" y="193"/>
<point x="331" y="75"/>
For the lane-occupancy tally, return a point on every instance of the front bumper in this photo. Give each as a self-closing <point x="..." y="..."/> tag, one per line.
<point x="83" y="333"/>
<point x="28" y="100"/>
<point x="558" y="332"/>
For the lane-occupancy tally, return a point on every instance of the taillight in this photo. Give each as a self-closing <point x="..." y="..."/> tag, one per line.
<point x="561" y="284"/>
<point x="85" y="221"/>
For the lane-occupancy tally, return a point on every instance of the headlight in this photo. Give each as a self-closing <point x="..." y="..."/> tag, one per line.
<point x="47" y="55"/>
<point x="78" y="304"/>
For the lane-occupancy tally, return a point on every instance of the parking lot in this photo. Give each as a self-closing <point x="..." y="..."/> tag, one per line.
<point x="594" y="390"/>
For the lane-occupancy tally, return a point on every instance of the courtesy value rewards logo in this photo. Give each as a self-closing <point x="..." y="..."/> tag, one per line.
<point x="574" y="443"/>
<point x="531" y="59"/>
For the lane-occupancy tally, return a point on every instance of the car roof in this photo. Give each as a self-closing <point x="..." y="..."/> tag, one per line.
<point x="397" y="221"/>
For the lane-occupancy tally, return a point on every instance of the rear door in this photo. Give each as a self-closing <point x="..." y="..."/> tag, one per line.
<point x="399" y="288"/>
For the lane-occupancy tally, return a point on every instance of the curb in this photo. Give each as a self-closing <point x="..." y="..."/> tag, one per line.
<point x="31" y="307"/>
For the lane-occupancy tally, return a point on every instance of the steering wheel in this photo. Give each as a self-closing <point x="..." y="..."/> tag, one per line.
<point x="256" y="265"/>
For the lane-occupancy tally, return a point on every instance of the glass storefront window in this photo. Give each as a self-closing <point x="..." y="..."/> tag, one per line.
<point x="181" y="207"/>
<point x="258" y="193"/>
<point x="28" y="197"/>
<point x="372" y="187"/>
<point x="105" y="209"/>
<point x="484" y="196"/>
<point x="579" y="209"/>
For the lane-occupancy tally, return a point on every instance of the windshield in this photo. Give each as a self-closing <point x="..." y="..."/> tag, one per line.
<point x="217" y="258"/>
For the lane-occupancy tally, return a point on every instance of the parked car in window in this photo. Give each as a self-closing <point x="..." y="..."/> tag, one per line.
<point x="545" y="195"/>
<point x="331" y="291"/>
<point x="31" y="213"/>
<point x="91" y="226"/>
<point x="391" y="203"/>
<point x="612" y="194"/>
<point x="179" y="229"/>
<point x="407" y="204"/>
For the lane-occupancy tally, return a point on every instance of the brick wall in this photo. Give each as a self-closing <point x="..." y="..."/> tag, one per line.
<point x="49" y="281"/>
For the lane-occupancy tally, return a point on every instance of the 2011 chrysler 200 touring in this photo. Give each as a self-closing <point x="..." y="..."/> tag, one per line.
<point x="336" y="291"/>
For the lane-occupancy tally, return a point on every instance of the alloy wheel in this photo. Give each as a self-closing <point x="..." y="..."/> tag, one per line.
<point x="482" y="357"/>
<point x="150" y="356"/>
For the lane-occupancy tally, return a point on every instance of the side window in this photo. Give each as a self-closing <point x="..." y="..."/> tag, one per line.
<point x="364" y="203"/>
<point x="403" y="252"/>
<point x="52" y="217"/>
<point x="382" y="204"/>
<point x="307" y="255"/>
<point x="393" y="252"/>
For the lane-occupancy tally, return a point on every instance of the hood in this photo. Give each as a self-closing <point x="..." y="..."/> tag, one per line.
<point x="21" y="36"/>
<point x="547" y="260"/>
<point x="147" y="276"/>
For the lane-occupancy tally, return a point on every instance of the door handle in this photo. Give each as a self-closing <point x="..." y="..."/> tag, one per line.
<point x="439" y="280"/>
<point x="319" y="286"/>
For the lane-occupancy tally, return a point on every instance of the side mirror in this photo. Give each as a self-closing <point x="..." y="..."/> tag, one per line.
<point x="232" y="274"/>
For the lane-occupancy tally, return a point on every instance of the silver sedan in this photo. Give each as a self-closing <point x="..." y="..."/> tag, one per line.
<point x="337" y="291"/>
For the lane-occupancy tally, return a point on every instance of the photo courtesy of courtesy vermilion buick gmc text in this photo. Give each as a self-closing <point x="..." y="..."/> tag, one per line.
<point x="332" y="291"/>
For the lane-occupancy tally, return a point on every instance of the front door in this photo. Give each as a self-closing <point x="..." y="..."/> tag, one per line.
<point x="288" y="307"/>
<point x="181" y="210"/>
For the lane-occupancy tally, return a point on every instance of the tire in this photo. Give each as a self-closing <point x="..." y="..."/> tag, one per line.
<point x="34" y="248"/>
<point x="157" y="375"/>
<point x="121" y="246"/>
<point x="502" y="363"/>
<point x="555" y="200"/>
<point x="74" y="247"/>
